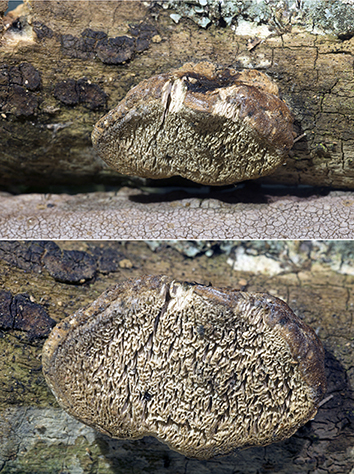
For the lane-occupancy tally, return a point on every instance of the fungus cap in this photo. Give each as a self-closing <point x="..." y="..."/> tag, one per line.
<point x="213" y="126"/>
<point x="205" y="370"/>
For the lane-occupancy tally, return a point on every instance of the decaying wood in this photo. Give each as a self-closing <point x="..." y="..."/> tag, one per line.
<point x="246" y="213"/>
<point x="64" y="64"/>
<point x="315" y="279"/>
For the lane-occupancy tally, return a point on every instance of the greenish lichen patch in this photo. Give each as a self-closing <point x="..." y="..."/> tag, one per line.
<point x="29" y="446"/>
<point x="336" y="17"/>
<point x="21" y="379"/>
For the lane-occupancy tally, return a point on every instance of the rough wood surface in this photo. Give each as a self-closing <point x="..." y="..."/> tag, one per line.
<point x="43" y="281"/>
<point x="60" y="73"/>
<point x="245" y="213"/>
<point x="3" y="8"/>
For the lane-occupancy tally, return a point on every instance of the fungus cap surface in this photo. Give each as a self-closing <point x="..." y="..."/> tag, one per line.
<point x="213" y="126"/>
<point x="205" y="370"/>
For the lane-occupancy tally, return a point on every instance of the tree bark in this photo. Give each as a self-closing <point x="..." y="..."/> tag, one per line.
<point x="43" y="281"/>
<point x="65" y="64"/>
<point x="245" y="213"/>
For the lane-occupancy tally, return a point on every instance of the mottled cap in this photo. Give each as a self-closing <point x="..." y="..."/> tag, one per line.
<point x="213" y="126"/>
<point x="205" y="370"/>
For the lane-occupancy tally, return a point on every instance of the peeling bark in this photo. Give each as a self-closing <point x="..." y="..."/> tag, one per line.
<point x="315" y="279"/>
<point x="89" y="54"/>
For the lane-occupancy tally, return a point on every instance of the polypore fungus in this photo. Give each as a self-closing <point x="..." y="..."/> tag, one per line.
<point x="205" y="370"/>
<point x="212" y="126"/>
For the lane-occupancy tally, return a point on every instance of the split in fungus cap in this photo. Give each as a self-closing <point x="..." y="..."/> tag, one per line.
<point x="205" y="370"/>
<point x="212" y="126"/>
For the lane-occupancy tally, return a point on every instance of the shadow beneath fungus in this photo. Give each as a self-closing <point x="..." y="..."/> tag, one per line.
<point x="247" y="193"/>
<point x="319" y="446"/>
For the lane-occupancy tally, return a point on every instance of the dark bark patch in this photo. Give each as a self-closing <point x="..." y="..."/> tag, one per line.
<point x="67" y="266"/>
<point x="31" y="317"/>
<point x="23" y="74"/>
<point x="71" y="92"/>
<point x="116" y="50"/>
<point x="31" y="77"/>
<point x="21" y="102"/>
<point x="25" y="255"/>
<point x="17" y="87"/>
<point x="19" y="312"/>
<point x="72" y="47"/>
<point x="66" y="92"/>
<point x="84" y="47"/>
<point x="42" y="31"/>
<point x="107" y="258"/>
<point x="70" y="266"/>
<point x="91" y="37"/>
<point x="91" y="94"/>
<point x="15" y="76"/>
<point x="6" y="318"/>
<point x="143" y="33"/>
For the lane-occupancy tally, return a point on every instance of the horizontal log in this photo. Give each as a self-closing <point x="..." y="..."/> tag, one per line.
<point x="245" y="213"/>
<point x="55" y="280"/>
<point x="64" y="65"/>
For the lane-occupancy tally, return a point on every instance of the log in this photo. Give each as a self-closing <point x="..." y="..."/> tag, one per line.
<point x="65" y="64"/>
<point x="44" y="282"/>
<point x="246" y="213"/>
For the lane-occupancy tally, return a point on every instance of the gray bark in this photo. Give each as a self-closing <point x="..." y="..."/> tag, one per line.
<point x="315" y="279"/>
<point x="58" y="79"/>
<point x="130" y="214"/>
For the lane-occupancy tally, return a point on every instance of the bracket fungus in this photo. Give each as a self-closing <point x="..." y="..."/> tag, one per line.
<point x="212" y="126"/>
<point x="205" y="370"/>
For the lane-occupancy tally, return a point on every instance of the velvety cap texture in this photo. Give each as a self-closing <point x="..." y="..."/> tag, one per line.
<point x="205" y="370"/>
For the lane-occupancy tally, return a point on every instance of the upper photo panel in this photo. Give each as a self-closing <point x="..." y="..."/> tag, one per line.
<point x="175" y="119"/>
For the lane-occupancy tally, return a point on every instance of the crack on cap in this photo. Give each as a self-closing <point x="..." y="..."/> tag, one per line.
<point x="205" y="370"/>
<point x="212" y="125"/>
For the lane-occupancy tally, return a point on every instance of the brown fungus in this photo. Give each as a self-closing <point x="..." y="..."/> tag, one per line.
<point x="205" y="370"/>
<point x="213" y="126"/>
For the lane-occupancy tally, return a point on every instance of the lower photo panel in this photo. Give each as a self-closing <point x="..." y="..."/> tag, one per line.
<point x="210" y="357"/>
